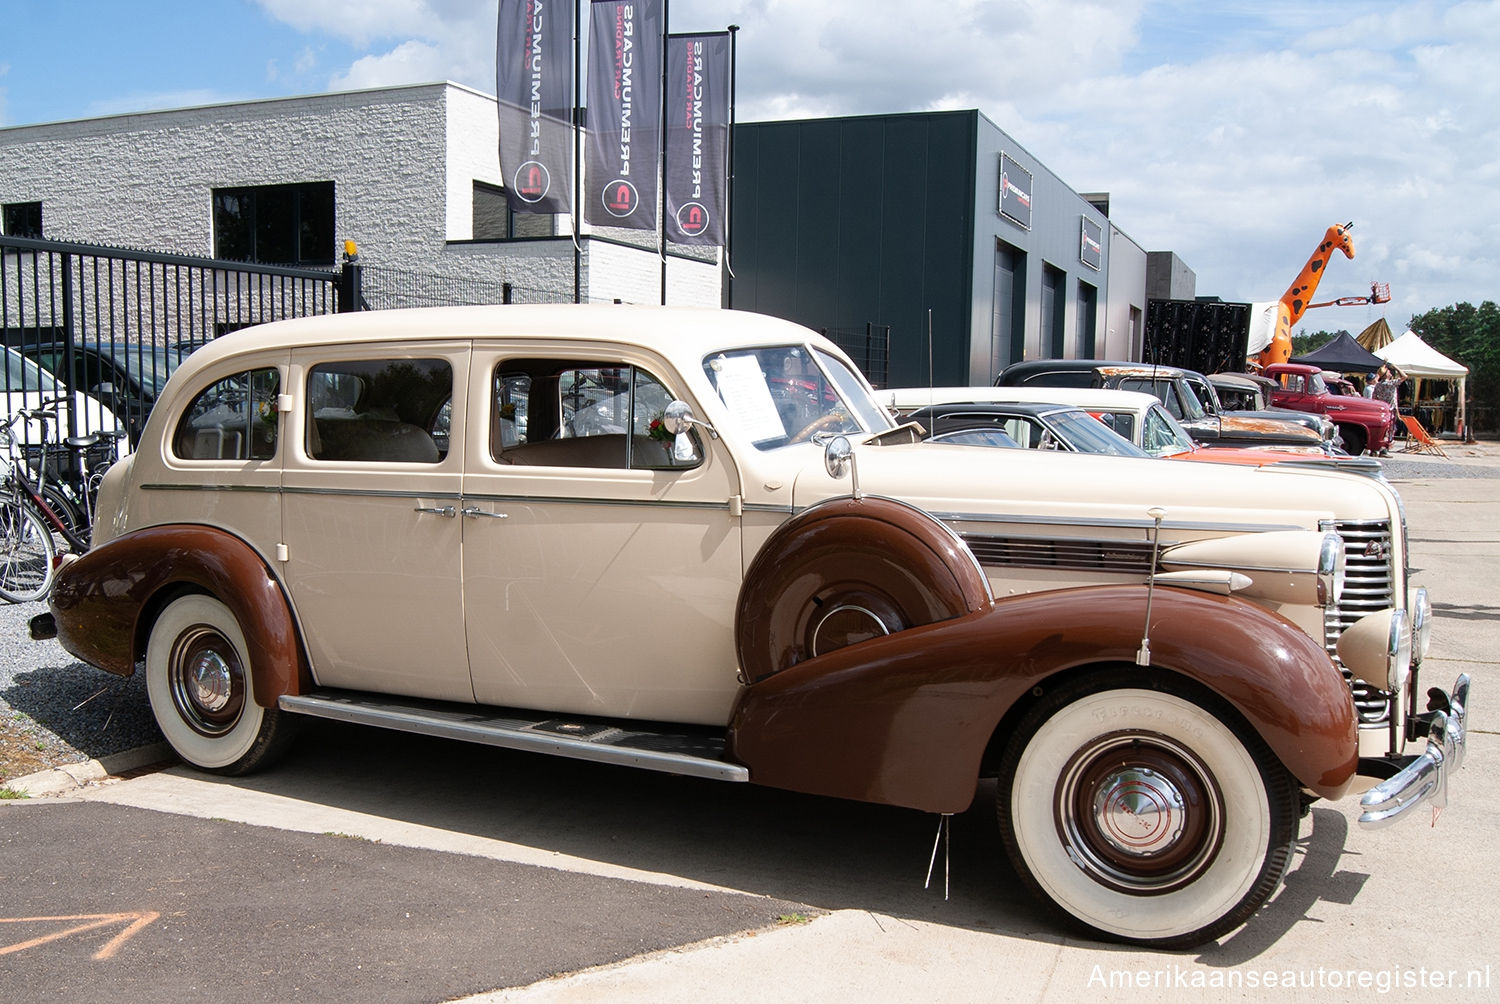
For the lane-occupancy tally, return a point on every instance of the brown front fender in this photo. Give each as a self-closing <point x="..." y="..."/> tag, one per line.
<point x="905" y="719"/>
<point x="102" y="601"/>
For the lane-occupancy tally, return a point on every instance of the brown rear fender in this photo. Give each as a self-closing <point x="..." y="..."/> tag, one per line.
<point x="906" y="719"/>
<point x="104" y="600"/>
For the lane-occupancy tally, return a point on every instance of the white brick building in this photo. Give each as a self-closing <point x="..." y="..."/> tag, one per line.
<point x="413" y="171"/>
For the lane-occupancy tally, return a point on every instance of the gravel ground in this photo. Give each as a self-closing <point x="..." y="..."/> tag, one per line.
<point x="56" y="710"/>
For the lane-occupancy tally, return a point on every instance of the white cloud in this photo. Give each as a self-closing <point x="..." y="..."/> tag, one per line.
<point x="1233" y="134"/>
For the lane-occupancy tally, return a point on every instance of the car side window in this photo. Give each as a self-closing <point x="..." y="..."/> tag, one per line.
<point x="1119" y="423"/>
<point x="231" y="419"/>
<point x="1161" y="390"/>
<point x="379" y="410"/>
<point x="567" y="414"/>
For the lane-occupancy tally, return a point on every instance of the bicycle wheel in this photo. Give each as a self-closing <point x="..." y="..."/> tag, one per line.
<point x="26" y="553"/>
<point x="75" y="530"/>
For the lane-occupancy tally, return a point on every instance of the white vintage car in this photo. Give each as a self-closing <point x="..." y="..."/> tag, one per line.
<point x="694" y="541"/>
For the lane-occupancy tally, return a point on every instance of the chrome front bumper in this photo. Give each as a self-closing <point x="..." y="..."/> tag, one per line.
<point x="1425" y="779"/>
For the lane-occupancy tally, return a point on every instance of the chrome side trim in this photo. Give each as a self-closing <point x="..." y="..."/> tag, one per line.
<point x="1112" y="524"/>
<point x="1425" y="779"/>
<point x="597" y="741"/>
<point x="465" y="496"/>
<point x="578" y="500"/>
<point x="167" y="487"/>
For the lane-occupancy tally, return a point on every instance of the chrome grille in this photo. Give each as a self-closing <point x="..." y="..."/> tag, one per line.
<point x="1369" y="585"/>
<point x="1072" y="553"/>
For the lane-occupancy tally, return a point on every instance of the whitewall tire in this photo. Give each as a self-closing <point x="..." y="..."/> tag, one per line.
<point x="1146" y="816"/>
<point x="198" y="677"/>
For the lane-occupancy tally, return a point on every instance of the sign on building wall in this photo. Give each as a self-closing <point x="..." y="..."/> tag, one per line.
<point x="624" y="98"/>
<point x="1091" y="244"/>
<point x="697" y="169"/>
<point x="533" y="82"/>
<point x="1015" y="192"/>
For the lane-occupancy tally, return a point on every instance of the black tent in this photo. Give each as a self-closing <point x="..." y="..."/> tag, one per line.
<point x="1342" y="355"/>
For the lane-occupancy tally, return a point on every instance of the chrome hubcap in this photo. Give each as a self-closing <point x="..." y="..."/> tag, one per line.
<point x="1139" y="812"/>
<point x="207" y="681"/>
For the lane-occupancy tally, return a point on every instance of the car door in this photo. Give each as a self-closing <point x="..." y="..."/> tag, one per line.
<point x="371" y="529"/>
<point x="602" y="561"/>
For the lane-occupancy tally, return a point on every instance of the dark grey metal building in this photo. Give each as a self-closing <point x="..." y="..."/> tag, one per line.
<point x="876" y="220"/>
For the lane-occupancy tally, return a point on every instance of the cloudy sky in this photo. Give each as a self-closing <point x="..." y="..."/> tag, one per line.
<point x="1231" y="133"/>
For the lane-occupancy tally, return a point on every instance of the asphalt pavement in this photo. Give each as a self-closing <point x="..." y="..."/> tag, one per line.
<point x="372" y="864"/>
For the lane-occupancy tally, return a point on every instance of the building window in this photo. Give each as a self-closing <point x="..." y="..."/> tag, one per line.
<point x="492" y="219"/>
<point x="275" y="224"/>
<point x="22" y="219"/>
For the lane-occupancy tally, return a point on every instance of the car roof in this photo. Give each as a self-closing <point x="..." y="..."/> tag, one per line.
<point x="911" y="398"/>
<point x="1036" y="409"/>
<point x="1109" y="366"/>
<point x="1248" y="380"/>
<point x="693" y="329"/>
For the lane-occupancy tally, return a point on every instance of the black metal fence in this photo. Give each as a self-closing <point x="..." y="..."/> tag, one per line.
<point x="111" y="323"/>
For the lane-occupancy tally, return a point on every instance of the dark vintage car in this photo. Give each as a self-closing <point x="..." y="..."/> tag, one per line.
<point x="126" y="378"/>
<point x="1186" y="394"/>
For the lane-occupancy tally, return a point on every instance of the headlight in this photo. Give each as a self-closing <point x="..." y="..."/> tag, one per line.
<point x="1330" y="569"/>
<point x="1377" y="649"/>
<point x="1421" y="626"/>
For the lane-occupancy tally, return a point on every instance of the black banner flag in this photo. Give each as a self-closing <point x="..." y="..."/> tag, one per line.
<point x="533" y="81"/>
<point x="697" y="170"/>
<point x="624" y="100"/>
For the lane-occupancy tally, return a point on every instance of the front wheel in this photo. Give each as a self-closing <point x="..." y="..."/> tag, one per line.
<point x="1142" y="814"/>
<point x="198" y="678"/>
<point x="27" y="563"/>
<point x="1355" y="439"/>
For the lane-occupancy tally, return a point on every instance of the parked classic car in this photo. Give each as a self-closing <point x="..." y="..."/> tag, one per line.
<point x="126" y="378"/>
<point x="1136" y="416"/>
<point x="1364" y="423"/>
<point x="1188" y="397"/>
<point x="1033" y="425"/>
<point x="767" y="580"/>
<point x="1242" y="391"/>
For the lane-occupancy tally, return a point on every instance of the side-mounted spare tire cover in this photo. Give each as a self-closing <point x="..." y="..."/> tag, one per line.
<point x="848" y="570"/>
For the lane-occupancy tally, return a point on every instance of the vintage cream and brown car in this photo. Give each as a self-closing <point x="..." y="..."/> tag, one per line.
<point x="693" y="541"/>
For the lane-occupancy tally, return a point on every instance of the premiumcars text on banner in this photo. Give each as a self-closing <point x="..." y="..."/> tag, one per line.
<point x="697" y="171"/>
<point x="624" y="100"/>
<point x="533" y="82"/>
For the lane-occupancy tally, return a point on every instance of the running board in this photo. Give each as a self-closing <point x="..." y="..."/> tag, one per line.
<point x="645" y="745"/>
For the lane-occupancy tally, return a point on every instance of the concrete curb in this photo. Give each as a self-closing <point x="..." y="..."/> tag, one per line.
<point x="72" y="776"/>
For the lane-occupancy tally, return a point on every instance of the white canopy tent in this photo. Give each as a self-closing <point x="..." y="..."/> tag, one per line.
<point x="1418" y="360"/>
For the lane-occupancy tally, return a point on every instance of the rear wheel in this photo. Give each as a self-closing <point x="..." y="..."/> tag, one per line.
<point x="1142" y="814"/>
<point x="199" y="680"/>
<point x="1355" y="439"/>
<point x="26" y="554"/>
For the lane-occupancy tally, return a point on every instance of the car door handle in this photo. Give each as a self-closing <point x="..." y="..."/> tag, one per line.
<point x="437" y="510"/>
<point x="476" y="512"/>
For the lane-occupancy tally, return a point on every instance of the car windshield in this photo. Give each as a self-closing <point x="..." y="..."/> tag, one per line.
<point x="787" y="394"/>
<point x="21" y="374"/>
<point x="1161" y="435"/>
<point x="1089" y="435"/>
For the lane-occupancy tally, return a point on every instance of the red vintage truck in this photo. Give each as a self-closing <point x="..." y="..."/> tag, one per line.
<point x="1365" y="424"/>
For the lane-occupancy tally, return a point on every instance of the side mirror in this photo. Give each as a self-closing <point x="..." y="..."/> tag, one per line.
<point x="677" y="418"/>
<point x="838" y="460"/>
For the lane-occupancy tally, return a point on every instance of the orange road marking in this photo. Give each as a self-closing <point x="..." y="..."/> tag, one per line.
<point x="91" y="921"/>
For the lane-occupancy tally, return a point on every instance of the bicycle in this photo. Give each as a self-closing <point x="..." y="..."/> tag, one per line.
<point x="27" y="555"/>
<point x="67" y="475"/>
<point x="31" y="511"/>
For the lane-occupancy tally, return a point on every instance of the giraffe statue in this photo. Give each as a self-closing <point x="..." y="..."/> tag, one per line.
<point x="1295" y="300"/>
